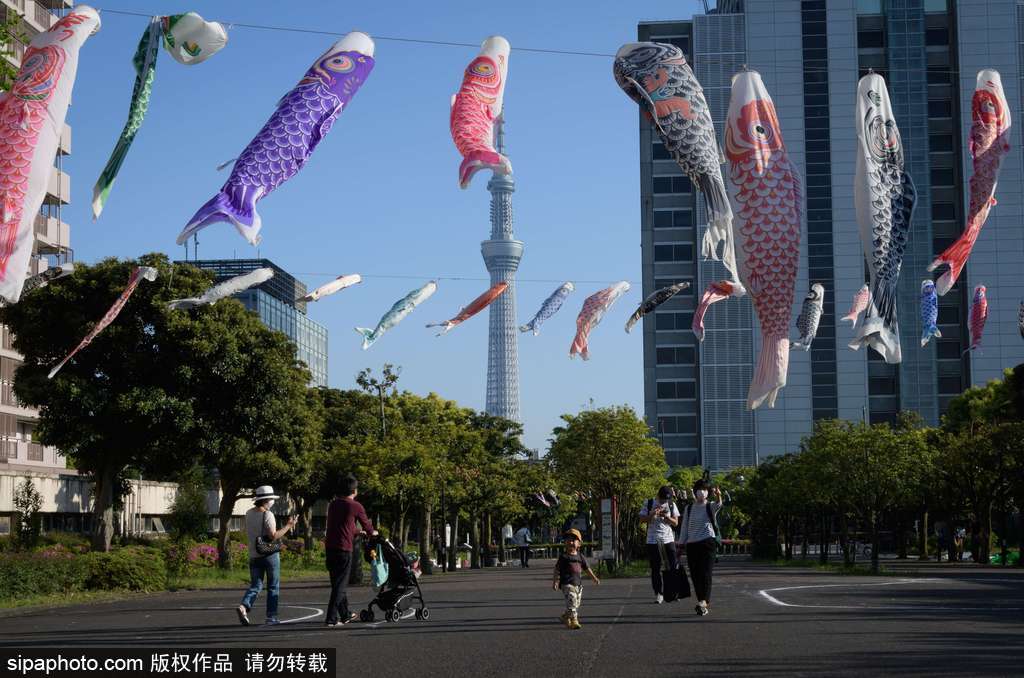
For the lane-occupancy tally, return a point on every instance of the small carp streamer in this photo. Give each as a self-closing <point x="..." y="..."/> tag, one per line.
<point x="810" y="317"/>
<point x="187" y="38"/>
<point x="139" y="273"/>
<point x="653" y="301"/>
<point x="31" y="120"/>
<point x="657" y="77"/>
<point x="476" y="107"/>
<point x="765" y="188"/>
<point x="396" y="313"/>
<point x="860" y="302"/>
<point x="43" y="279"/>
<point x="979" y="314"/>
<point x="336" y="285"/>
<point x="548" y="308"/>
<point x="1020" y="319"/>
<point x="594" y="308"/>
<point x="302" y="119"/>
<point x="472" y="308"/>
<point x="988" y="144"/>
<point x="713" y="293"/>
<point x="929" y="312"/>
<point x="884" y="195"/>
<point x="225" y="289"/>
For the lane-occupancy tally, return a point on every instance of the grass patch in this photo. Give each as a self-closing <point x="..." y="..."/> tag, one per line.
<point x="62" y="599"/>
<point x="635" y="568"/>
<point x="215" y="578"/>
<point x="837" y="568"/>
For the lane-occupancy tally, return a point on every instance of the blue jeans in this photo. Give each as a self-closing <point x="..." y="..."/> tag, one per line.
<point x="271" y="567"/>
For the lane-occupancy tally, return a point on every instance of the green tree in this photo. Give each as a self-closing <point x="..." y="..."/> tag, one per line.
<point x="252" y="418"/>
<point x="27" y="505"/>
<point x="189" y="516"/>
<point x="115" y="405"/>
<point x="12" y="33"/>
<point x="608" y="452"/>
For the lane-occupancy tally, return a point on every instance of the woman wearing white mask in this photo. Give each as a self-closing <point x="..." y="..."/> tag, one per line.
<point x="697" y="537"/>
<point x="260" y="522"/>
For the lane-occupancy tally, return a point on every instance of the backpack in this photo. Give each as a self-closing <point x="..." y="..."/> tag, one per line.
<point x="378" y="570"/>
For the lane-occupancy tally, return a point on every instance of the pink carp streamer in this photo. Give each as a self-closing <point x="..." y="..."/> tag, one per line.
<point x="31" y="121"/>
<point x="472" y="308"/>
<point x="475" y="109"/>
<point x="860" y="302"/>
<point x="590" y="315"/>
<point x="979" y="314"/>
<point x="767" y="201"/>
<point x="715" y="292"/>
<point x="139" y="274"/>
<point x="988" y="144"/>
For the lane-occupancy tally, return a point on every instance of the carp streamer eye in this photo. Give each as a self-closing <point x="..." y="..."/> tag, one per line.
<point x="340" y="64"/>
<point x="760" y="132"/>
<point x="481" y="68"/>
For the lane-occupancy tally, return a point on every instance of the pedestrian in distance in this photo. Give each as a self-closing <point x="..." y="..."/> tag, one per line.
<point x="662" y="517"/>
<point x="264" y="554"/>
<point x="522" y="539"/>
<point x="342" y="514"/>
<point x="697" y="538"/>
<point x="568" y="576"/>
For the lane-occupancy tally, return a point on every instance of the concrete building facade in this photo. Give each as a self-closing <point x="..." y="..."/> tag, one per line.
<point x="810" y="57"/>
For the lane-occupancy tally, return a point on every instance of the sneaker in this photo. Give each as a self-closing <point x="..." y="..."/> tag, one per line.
<point x="659" y="599"/>
<point x="351" y="618"/>
<point x="574" y="623"/>
<point x="272" y="621"/>
<point x="243" y="615"/>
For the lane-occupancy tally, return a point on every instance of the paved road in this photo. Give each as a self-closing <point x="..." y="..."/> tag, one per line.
<point x="766" y="621"/>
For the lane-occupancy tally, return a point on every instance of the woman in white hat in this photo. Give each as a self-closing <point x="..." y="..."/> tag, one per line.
<point x="260" y="522"/>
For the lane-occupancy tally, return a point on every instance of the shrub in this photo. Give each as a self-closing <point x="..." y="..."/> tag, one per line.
<point x="133" y="568"/>
<point x="28" y="522"/>
<point x="72" y="541"/>
<point x="176" y="561"/>
<point x="32" y="574"/>
<point x="188" y="518"/>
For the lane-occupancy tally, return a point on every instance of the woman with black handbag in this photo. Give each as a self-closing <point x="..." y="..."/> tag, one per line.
<point x="264" y="554"/>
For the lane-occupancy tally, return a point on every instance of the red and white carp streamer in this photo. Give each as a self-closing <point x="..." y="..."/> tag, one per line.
<point x="475" y="109"/>
<point x="31" y="120"/>
<point x="860" y="302"/>
<point x="765" y="189"/>
<point x="979" y="315"/>
<point x="988" y="144"/>
<point x="472" y="308"/>
<point x="594" y="308"/>
<point x="139" y="274"/>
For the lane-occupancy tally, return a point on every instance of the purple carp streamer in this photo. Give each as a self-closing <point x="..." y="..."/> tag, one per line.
<point x="303" y="118"/>
<point x="884" y="195"/>
<point x="989" y="142"/>
<point x="548" y="308"/>
<point x="929" y="312"/>
<point x="594" y="308"/>
<point x="766" y="191"/>
<point x="139" y="273"/>
<point x="657" y="77"/>
<point x="653" y="301"/>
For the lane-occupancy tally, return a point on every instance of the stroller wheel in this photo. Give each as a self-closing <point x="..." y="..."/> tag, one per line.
<point x="394" y="615"/>
<point x="366" y="615"/>
<point x="423" y="614"/>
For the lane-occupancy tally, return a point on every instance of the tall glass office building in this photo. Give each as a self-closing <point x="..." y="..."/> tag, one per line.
<point x="275" y="302"/>
<point x="810" y="59"/>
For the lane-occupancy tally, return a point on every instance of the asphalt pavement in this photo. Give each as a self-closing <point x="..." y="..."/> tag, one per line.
<point x="765" y="621"/>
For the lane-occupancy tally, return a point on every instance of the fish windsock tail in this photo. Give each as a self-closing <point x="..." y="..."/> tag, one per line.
<point x="800" y="343"/>
<point x="852" y="317"/>
<point x="481" y="160"/>
<point x="770" y="375"/>
<point x="954" y="257"/>
<point x="446" y="325"/>
<point x="719" y="219"/>
<point x="179" y="304"/>
<point x="367" y="334"/>
<point x="879" y="328"/>
<point x="713" y="293"/>
<point x="928" y="333"/>
<point x="221" y="207"/>
<point x="528" y="327"/>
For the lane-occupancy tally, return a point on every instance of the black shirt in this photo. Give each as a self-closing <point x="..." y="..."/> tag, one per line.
<point x="570" y="569"/>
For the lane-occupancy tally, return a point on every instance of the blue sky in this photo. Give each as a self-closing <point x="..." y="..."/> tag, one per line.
<point x="380" y="196"/>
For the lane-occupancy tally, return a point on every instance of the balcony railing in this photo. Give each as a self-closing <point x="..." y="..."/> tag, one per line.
<point x="35" y="452"/>
<point x="43" y="16"/>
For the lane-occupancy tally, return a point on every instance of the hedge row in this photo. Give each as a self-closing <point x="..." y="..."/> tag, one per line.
<point x="57" y="570"/>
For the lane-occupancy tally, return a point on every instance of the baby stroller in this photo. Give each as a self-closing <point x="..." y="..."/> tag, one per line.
<point x="401" y="591"/>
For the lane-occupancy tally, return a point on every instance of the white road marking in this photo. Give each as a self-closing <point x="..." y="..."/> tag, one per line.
<point x="767" y="595"/>
<point x="316" y="611"/>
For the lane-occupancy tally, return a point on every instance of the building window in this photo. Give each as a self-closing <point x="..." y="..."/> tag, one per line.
<point x="676" y="355"/>
<point x="870" y="39"/>
<point x="666" y="253"/>
<point x="936" y="6"/>
<point x="940" y="109"/>
<point x="947" y="349"/>
<point x="673" y="219"/>
<point x="936" y="37"/>
<point x="659" y="152"/>
<point x="949" y="385"/>
<point x="677" y="390"/>
<point x="677" y="424"/>
<point x="940" y="143"/>
<point x="670" y="322"/>
<point x="668" y="185"/>
<point x="942" y="176"/>
<point x="869" y="6"/>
